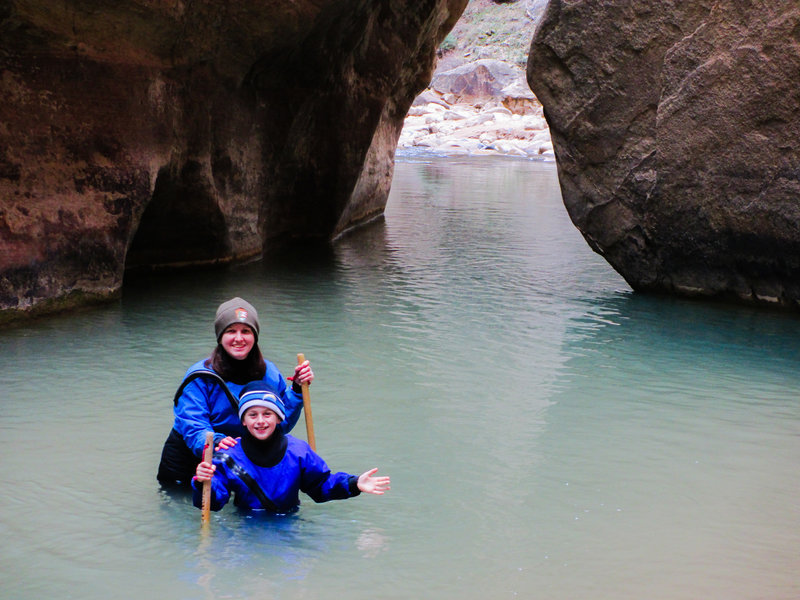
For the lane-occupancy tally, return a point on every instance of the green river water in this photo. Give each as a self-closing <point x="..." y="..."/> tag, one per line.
<point x="549" y="433"/>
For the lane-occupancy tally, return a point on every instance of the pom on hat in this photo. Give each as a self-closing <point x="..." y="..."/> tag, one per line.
<point x="256" y="393"/>
<point x="233" y="311"/>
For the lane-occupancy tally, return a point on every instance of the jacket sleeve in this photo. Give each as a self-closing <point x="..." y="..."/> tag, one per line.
<point x="220" y="492"/>
<point x="321" y="485"/>
<point x="193" y="417"/>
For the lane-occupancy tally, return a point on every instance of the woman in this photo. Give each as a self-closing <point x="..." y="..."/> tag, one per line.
<point x="206" y="400"/>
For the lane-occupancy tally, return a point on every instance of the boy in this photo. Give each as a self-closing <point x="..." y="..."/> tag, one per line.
<point x="268" y="468"/>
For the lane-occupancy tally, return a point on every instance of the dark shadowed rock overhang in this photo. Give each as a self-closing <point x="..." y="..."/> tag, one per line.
<point x="151" y="134"/>
<point x="676" y="128"/>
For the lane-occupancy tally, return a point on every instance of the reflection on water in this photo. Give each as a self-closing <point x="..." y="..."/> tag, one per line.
<point x="547" y="431"/>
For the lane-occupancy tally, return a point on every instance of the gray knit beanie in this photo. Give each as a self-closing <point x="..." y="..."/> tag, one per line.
<point x="233" y="311"/>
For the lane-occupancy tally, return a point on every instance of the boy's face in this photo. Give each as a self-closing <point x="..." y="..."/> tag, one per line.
<point x="260" y="421"/>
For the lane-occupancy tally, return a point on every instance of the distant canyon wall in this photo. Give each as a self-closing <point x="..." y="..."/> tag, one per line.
<point x="147" y="133"/>
<point x="144" y="134"/>
<point x="676" y="129"/>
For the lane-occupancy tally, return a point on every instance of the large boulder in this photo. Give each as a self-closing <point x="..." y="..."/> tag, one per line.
<point x="676" y="131"/>
<point x="478" y="80"/>
<point x="146" y="134"/>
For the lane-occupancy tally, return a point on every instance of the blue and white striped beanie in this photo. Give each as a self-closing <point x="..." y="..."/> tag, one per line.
<point x="256" y="393"/>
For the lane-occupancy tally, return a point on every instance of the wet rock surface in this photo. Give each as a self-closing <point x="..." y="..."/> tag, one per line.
<point x="162" y="134"/>
<point x="482" y="107"/>
<point x="675" y="128"/>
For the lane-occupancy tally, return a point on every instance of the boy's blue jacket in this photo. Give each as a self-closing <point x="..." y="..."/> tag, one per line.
<point x="194" y="415"/>
<point x="300" y="469"/>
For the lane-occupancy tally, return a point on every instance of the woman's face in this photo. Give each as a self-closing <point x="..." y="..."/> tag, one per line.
<point x="238" y="340"/>
<point x="260" y="421"/>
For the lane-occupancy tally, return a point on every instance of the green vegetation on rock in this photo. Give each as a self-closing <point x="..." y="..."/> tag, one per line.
<point x="490" y="30"/>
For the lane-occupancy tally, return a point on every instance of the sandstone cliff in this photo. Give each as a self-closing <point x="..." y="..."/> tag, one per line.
<point x="676" y="129"/>
<point x="146" y="133"/>
<point x="142" y="133"/>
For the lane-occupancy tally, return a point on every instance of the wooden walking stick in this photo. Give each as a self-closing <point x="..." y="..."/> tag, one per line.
<point x="307" y="408"/>
<point x="208" y="453"/>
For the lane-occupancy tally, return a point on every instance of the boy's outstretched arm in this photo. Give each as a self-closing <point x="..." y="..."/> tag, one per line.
<point x="373" y="485"/>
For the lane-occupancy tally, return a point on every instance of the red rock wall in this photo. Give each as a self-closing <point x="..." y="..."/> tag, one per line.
<point x="675" y="128"/>
<point x="152" y="133"/>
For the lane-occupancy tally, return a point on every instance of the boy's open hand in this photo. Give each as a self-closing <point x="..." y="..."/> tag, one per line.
<point x="373" y="485"/>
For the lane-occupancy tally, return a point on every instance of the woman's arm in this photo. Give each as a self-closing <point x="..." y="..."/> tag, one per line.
<point x="193" y="417"/>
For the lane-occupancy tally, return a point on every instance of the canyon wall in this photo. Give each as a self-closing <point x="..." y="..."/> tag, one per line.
<point x="676" y="129"/>
<point x="147" y="134"/>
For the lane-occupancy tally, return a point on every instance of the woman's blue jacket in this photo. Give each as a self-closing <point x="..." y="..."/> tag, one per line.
<point x="203" y="406"/>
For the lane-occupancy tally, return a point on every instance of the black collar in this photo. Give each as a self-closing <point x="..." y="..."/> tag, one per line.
<point x="265" y="453"/>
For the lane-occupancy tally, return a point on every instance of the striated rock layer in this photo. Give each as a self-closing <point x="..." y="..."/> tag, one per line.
<point x="144" y="133"/>
<point x="676" y="128"/>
